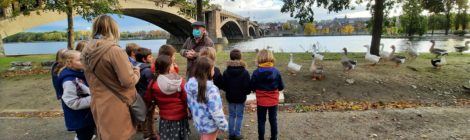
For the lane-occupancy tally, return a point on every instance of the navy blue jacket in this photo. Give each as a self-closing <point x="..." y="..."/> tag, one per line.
<point x="266" y="79"/>
<point x="75" y="119"/>
<point x="236" y="84"/>
<point x="55" y="82"/>
<point x="145" y="77"/>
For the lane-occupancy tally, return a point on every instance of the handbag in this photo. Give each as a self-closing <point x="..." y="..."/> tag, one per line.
<point x="137" y="109"/>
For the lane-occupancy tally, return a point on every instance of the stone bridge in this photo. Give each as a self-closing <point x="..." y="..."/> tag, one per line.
<point x="221" y="25"/>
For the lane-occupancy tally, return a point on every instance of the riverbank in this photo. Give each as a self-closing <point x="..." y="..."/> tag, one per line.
<point x="416" y="82"/>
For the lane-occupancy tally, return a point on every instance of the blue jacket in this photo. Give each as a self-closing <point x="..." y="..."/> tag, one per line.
<point x="266" y="79"/>
<point x="145" y="78"/>
<point x="55" y="82"/>
<point x="75" y="119"/>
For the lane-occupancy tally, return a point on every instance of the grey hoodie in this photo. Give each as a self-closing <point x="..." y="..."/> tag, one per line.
<point x="169" y="83"/>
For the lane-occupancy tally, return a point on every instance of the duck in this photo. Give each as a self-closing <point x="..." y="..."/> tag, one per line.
<point x="438" y="62"/>
<point x="347" y="63"/>
<point x="461" y="49"/>
<point x="317" y="71"/>
<point x="292" y="67"/>
<point x="438" y="52"/>
<point x="371" y="58"/>
<point x="316" y="55"/>
<point x="385" y="55"/>
<point x="412" y="51"/>
<point x="398" y="59"/>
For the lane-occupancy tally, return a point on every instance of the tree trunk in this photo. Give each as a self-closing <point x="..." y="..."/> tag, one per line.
<point x="447" y="23"/>
<point x="70" y="25"/>
<point x="458" y="17"/>
<point x="2" y="50"/>
<point x="200" y="16"/>
<point x="464" y="20"/>
<point x="432" y="25"/>
<point x="377" y="27"/>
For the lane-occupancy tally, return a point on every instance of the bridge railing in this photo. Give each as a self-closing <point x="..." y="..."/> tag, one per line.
<point x="234" y="15"/>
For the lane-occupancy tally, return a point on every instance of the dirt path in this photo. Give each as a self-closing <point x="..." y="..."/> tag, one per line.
<point x="413" y="123"/>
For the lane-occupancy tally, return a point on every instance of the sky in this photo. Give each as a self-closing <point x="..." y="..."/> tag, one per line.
<point x="257" y="10"/>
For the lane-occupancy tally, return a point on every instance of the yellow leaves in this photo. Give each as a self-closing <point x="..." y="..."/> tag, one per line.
<point x="40" y="114"/>
<point x="348" y="29"/>
<point x="310" y="29"/>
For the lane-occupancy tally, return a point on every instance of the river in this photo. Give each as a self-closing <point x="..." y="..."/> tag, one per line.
<point x="278" y="44"/>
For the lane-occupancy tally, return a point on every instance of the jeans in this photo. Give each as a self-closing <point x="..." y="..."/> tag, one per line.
<point x="261" y="112"/>
<point x="85" y="133"/>
<point x="235" y="120"/>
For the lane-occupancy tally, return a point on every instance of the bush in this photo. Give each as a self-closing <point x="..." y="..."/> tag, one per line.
<point x="460" y="32"/>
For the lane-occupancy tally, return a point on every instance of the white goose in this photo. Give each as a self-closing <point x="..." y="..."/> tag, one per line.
<point x="385" y="55"/>
<point x="371" y="58"/>
<point x="292" y="67"/>
<point x="316" y="55"/>
<point x="317" y="71"/>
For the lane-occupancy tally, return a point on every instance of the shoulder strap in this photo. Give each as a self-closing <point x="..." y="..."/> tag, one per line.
<point x="116" y="93"/>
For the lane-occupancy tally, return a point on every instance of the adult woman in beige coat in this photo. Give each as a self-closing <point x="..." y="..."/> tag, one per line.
<point x="109" y="62"/>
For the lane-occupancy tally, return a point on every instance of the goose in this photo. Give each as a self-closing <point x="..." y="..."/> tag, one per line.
<point x="347" y="63"/>
<point x="371" y="58"/>
<point x="438" y="52"/>
<point x="438" y="62"/>
<point x="384" y="54"/>
<point x="412" y="51"/>
<point x="466" y="89"/>
<point x="316" y="55"/>
<point x="292" y="67"/>
<point x="461" y="49"/>
<point x="317" y="71"/>
<point x="396" y="58"/>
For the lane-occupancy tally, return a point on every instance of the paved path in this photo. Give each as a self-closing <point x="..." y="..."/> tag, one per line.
<point x="420" y="123"/>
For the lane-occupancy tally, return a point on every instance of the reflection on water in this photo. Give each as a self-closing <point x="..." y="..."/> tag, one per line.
<point x="278" y="44"/>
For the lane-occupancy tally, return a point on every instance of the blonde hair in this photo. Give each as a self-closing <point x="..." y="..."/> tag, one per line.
<point x="105" y="26"/>
<point x="80" y="46"/>
<point x="59" y="58"/>
<point x="265" y="56"/>
<point x="209" y="52"/>
<point x="69" y="55"/>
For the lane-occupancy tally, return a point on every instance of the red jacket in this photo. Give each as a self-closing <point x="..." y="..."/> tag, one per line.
<point x="172" y="107"/>
<point x="267" y="98"/>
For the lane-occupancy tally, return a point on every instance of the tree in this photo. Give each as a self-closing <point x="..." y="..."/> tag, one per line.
<point x="86" y="8"/>
<point x="435" y="7"/>
<point x="347" y="29"/>
<point x="412" y="22"/>
<point x="310" y="29"/>
<point x="286" y="26"/>
<point x="461" y="17"/>
<point x="303" y="10"/>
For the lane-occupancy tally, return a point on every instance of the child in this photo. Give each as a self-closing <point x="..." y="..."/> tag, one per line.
<point x="266" y="81"/>
<point x="236" y="84"/>
<point x="76" y="97"/>
<point x="131" y="49"/>
<point x="204" y="100"/>
<point x="56" y="67"/>
<point x="210" y="53"/>
<point x="169" y="51"/>
<point x="167" y="91"/>
<point x="144" y="59"/>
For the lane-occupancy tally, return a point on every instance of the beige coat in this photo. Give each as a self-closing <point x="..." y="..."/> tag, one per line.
<point x="112" y="65"/>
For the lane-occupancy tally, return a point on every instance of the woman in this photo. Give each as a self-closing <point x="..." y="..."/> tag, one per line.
<point x="108" y="71"/>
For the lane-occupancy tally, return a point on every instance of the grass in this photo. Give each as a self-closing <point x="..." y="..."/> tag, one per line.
<point x="35" y="59"/>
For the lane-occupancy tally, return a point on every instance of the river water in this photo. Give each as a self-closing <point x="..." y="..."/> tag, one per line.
<point x="278" y="44"/>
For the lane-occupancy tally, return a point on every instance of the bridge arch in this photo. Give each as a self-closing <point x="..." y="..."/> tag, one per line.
<point x="165" y="17"/>
<point x="231" y="29"/>
<point x="252" y="31"/>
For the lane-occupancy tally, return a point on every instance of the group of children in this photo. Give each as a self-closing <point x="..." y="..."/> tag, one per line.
<point x="178" y="101"/>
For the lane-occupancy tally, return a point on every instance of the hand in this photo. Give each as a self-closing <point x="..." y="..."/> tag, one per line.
<point x="136" y="69"/>
<point x="190" y="54"/>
